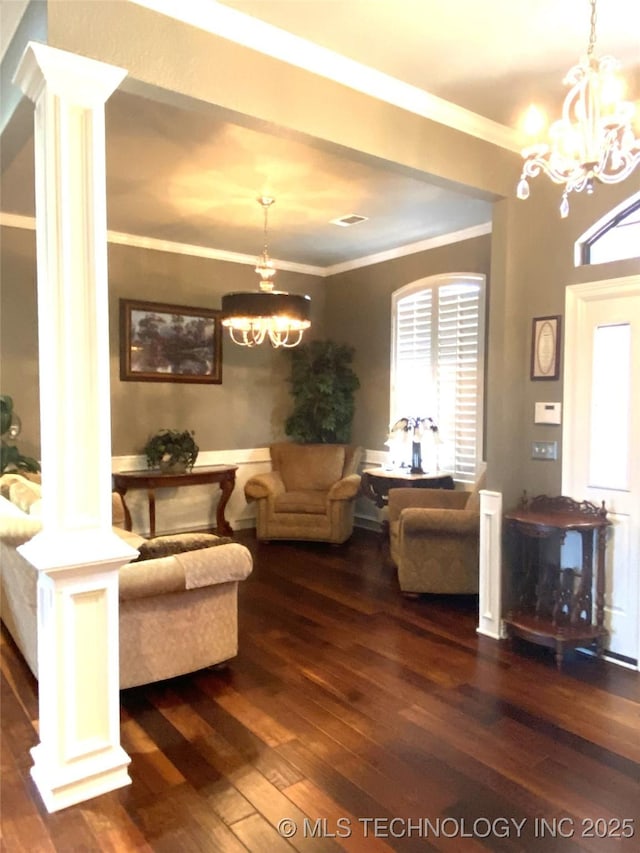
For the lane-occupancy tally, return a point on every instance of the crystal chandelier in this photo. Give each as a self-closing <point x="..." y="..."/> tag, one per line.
<point x="594" y="139"/>
<point x="251" y="317"/>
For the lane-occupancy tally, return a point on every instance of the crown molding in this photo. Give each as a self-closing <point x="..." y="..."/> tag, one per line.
<point x="137" y="241"/>
<point x="140" y="242"/>
<point x="229" y="23"/>
<point x="411" y="248"/>
<point x="28" y="223"/>
<point x="16" y="220"/>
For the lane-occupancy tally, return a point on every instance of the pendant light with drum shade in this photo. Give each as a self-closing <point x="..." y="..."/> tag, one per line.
<point x="253" y="316"/>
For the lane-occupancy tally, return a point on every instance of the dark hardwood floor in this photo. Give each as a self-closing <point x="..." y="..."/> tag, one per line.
<point x="370" y="722"/>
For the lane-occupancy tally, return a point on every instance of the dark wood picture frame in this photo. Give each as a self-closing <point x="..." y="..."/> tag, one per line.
<point x="169" y="343"/>
<point x="545" y="347"/>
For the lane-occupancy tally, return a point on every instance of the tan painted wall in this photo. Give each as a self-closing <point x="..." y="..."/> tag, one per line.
<point x="19" y="332"/>
<point x="532" y="264"/>
<point x="529" y="261"/>
<point x="247" y="410"/>
<point x="359" y="313"/>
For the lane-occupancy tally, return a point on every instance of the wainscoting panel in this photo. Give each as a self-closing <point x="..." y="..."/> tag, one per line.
<point x="194" y="507"/>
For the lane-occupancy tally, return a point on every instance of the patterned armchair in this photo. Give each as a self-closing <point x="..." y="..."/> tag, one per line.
<point x="309" y="494"/>
<point x="434" y="539"/>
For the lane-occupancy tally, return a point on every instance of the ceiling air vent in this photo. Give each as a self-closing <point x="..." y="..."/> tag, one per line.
<point x="349" y="219"/>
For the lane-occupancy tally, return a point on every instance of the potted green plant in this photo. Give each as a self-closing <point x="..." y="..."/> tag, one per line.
<point x="172" y="450"/>
<point x="10" y="457"/>
<point x="323" y="386"/>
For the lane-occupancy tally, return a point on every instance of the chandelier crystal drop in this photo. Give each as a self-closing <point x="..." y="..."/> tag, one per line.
<point x="252" y="317"/>
<point x="594" y="139"/>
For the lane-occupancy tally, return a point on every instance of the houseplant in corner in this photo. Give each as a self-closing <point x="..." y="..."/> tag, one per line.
<point x="323" y="386"/>
<point x="173" y="451"/>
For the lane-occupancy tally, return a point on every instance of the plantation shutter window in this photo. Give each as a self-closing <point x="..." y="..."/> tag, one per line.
<point x="413" y="351"/>
<point x="438" y="365"/>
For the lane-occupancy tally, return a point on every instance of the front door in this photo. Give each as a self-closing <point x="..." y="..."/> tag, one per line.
<point x="601" y="437"/>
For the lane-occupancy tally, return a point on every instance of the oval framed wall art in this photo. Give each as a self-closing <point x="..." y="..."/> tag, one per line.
<point x="545" y="347"/>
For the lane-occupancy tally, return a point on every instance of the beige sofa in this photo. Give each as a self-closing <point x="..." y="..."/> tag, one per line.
<point x="178" y="607"/>
<point x="309" y="494"/>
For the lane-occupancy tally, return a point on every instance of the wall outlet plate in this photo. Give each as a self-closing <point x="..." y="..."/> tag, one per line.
<point x="544" y="450"/>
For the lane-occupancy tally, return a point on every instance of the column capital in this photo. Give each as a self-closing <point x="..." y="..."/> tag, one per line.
<point x="93" y="550"/>
<point x="83" y="81"/>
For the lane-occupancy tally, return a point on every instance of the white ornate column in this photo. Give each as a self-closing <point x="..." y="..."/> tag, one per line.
<point x="490" y="599"/>
<point x="76" y="554"/>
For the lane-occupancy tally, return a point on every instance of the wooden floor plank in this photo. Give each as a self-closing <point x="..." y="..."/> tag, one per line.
<point x="366" y="762"/>
<point x="256" y="833"/>
<point x="151" y="762"/>
<point x="109" y="823"/>
<point x="23" y="829"/>
<point x="325" y="815"/>
<point x="262" y="725"/>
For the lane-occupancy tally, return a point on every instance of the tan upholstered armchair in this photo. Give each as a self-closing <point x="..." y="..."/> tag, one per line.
<point x="309" y="493"/>
<point x="434" y="539"/>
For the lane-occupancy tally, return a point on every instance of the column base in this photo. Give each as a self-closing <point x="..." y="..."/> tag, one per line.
<point x="67" y="786"/>
<point x="499" y="634"/>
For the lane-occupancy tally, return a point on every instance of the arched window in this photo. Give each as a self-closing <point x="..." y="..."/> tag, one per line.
<point x="615" y="238"/>
<point x="437" y="367"/>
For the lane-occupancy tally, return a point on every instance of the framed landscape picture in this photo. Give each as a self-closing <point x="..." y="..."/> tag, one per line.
<point x="169" y="343"/>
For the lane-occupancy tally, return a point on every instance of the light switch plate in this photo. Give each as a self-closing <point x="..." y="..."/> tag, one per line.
<point x="544" y="450"/>
<point x="547" y="413"/>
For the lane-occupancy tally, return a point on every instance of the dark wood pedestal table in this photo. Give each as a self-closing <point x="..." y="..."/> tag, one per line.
<point x="553" y="606"/>
<point x="152" y="479"/>
<point x="376" y="482"/>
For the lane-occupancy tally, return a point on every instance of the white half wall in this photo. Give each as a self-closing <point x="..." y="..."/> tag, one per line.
<point x="490" y="598"/>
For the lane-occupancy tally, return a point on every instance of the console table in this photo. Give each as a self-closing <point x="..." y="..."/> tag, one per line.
<point x="376" y="482"/>
<point x="152" y="479"/>
<point x="552" y="605"/>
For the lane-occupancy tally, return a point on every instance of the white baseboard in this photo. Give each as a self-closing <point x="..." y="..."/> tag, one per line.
<point x="366" y="523"/>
